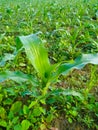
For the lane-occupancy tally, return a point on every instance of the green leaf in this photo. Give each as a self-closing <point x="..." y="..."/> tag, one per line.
<point x="37" y="112"/>
<point x="38" y="56"/>
<point x="17" y="127"/>
<point x="65" y="92"/>
<point x="34" y="120"/>
<point x="43" y="127"/>
<point x="70" y="120"/>
<point x="1" y="97"/>
<point x="33" y="103"/>
<point x="2" y="113"/>
<point x="25" y="124"/>
<point x="3" y="123"/>
<point x="42" y="110"/>
<point x="49" y="118"/>
<point x="2" y="36"/>
<point x="97" y="14"/>
<point x="8" y="101"/>
<point x="6" y="58"/>
<point x="10" y="115"/>
<point x="17" y="77"/>
<point x="73" y="113"/>
<point x="68" y="92"/>
<point x="36" y="53"/>
<point x="25" y="109"/>
<point x="16" y="107"/>
<point x="9" y="57"/>
<point x="78" y="63"/>
<point x="15" y="120"/>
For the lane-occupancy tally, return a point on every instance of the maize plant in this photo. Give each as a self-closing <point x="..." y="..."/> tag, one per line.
<point x="38" y="56"/>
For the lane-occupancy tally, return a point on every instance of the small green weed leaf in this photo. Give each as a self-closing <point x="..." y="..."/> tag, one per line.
<point x="17" y="77"/>
<point x="11" y="115"/>
<point x="18" y="127"/>
<point x="25" y="124"/>
<point x="6" y="58"/>
<point x="2" y="36"/>
<point x="34" y="120"/>
<point x="16" y="107"/>
<point x="43" y="101"/>
<point x="73" y="113"/>
<point x="49" y="118"/>
<point x="43" y="127"/>
<point x="51" y="100"/>
<point x="27" y="92"/>
<point x="2" y="113"/>
<point x="70" y="120"/>
<point x="15" y="120"/>
<point x="33" y="103"/>
<point x="25" y="109"/>
<point x="3" y="123"/>
<point x="42" y="110"/>
<point x="96" y="108"/>
<point x="10" y="91"/>
<point x="8" y="101"/>
<point x="1" y="97"/>
<point x="97" y="14"/>
<point x="37" y="112"/>
<point x="36" y="53"/>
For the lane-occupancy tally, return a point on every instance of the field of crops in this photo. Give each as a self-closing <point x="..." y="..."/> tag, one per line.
<point x="48" y="64"/>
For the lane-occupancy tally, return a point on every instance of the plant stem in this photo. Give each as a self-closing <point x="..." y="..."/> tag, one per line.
<point x="45" y="90"/>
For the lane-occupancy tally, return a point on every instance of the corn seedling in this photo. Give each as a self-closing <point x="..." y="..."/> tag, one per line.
<point x="38" y="56"/>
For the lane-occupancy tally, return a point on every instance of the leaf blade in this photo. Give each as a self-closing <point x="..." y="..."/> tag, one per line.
<point x="36" y="53"/>
<point x="17" y="76"/>
<point x="78" y="63"/>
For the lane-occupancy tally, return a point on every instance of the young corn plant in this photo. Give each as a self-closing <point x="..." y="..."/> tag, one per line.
<point x="47" y="72"/>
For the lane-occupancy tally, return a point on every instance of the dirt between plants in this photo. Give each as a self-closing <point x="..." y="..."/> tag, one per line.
<point x="62" y="124"/>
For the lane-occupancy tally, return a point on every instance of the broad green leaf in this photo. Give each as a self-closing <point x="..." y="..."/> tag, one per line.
<point x="70" y="120"/>
<point x="25" y="109"/>
<point x="43" y="127"/>
<point x="17" y="127"/>
<point x="17" y="77"/>
<point x="8" y="101"/>
<point x="33" y="103"/>
<point x="49" y="118"/>
<point x="25" y="124"/>
<point x="42" y="110"/>
<point x="78" y="63"/>
<point x="34" y="119"/>
<point x="15" y="120"/>
<point x="16" y="107"/>
<point x="3" y="123"/>
<point x="11" y="115"/>
<point x="36" y="53"/>
<point x="1" y="97"/>
<point x="36" y="112"/>
<point x="2" y="113"/>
